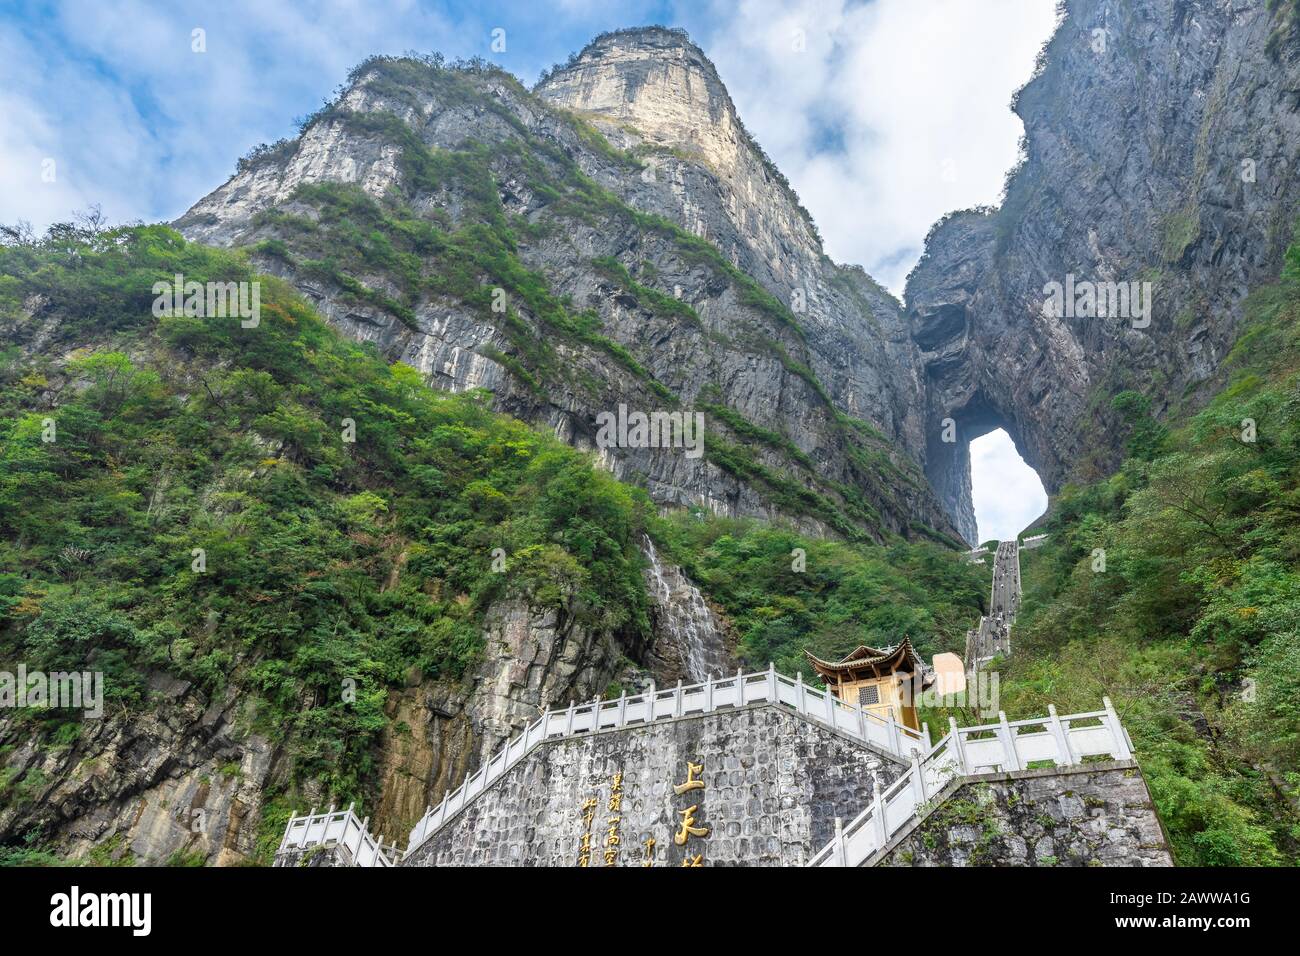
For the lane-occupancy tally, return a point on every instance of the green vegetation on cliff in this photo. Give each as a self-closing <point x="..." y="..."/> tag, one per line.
<point x="1174" y="587"/>
<point x="178" y="495"/>
<point x="785" y="591"/>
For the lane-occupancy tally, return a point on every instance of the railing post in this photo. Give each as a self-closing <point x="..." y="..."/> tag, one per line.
<point x="830" y="707"/>
<point x="841" y="857"/>
<point x="1008" y="742"/>
<point x="882" y="828"/>
<point x="621" y="720"/>
<point x="677" y="699"/>
<point x="862" y="721"/>
<point x="650" y="702"/>
<point x="546" y="722"/>
<point x="918" y="781"/>
<point x="959" y="746"/>
<point x="773" y="694"/>
<point x="1065" y="754"/>
<point x="596" y="708"/>
<point x="799" y="693"/>
<point x="302" y="842"/>
<point x="361" y="839"/>
<point x="708" y="693"/>
<point x="568" y="721"/>
<point x="740" y="687"/>
<point x="1122" y="751"/>
<point x="894" y="746"/>
<point x="925" y="733"/>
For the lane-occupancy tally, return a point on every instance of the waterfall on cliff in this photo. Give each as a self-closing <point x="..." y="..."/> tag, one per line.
<point x="687" y="632"/>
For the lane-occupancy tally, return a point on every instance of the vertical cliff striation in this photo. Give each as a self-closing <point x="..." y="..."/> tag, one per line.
<point x="654" y="93"/>
<point x="1161" y="147"/>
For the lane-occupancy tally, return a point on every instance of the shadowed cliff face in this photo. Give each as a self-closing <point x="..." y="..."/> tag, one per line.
<point x="656" y="94"/>
<point x="1161" y="146"/>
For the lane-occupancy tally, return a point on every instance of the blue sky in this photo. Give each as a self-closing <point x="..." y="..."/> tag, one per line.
<point x="888" y="114"/>
<point x="1007" y="493"/>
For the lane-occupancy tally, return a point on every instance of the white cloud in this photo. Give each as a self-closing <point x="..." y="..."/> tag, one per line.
<point x="912" y="97"/>
<point x="1007" y="493"/>
<point x="141" y="123"/>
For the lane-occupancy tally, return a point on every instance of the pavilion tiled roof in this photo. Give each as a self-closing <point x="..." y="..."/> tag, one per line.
<point x="888" y="658"/>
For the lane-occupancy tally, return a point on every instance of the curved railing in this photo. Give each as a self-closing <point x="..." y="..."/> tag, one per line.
<point x="656" y="704"/>
<point x="1004" y="746"/>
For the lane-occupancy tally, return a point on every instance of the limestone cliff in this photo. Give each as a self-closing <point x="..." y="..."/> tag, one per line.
<point x="1161" y="146"/>
<point x="656" y="94"/>
<point x="668" y="266"/>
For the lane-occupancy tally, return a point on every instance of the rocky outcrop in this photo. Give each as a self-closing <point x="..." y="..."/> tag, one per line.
<point x="1161" y="146"/>
<point x="655" y="93"/>
<point x="183" y="781"/>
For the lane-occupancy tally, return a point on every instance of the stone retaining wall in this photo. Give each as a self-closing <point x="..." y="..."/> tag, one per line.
<point x="772" y="785"/>
<point x="1094" y="815"/>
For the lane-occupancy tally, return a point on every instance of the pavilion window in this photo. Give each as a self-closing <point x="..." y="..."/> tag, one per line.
<point x="869" y="695"/>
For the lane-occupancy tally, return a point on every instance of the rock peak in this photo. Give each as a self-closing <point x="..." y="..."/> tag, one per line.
<point x="628" y="74"/>
<point x="666" y="42"/>
<point x="657" y="85"/>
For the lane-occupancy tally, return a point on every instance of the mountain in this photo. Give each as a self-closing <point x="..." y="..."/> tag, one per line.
<point x="1161" y="145"/>
<point x="310" y="578"/>
<point x="646" y="251"/>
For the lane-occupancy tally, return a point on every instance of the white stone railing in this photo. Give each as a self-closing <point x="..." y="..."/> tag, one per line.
<point x="1030" y="543"/>
<point x="764" y="686"/>
<point x="1004" y="746"/>
<point x="341" y="829"/>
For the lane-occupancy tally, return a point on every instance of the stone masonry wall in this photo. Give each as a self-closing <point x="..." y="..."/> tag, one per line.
<point x="773" y="784"/>
<point x="1095" y="815"/>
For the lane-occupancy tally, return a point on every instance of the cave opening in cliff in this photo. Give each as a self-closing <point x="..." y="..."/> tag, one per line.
<point x="977" y="461"/>
<point x="1006" y="492"/>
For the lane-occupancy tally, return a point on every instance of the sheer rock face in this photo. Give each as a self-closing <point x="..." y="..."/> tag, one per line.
<point x="1144" y="129"/>
<point x="695" y="167"/>
<point x="184" y="780"/>
<point x="654" y="92"/>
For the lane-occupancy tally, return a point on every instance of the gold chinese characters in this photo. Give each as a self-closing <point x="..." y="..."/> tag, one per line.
<point x="691" y="783"/>
<point x="612" y="839"/>
<point x="690" y="825"/>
